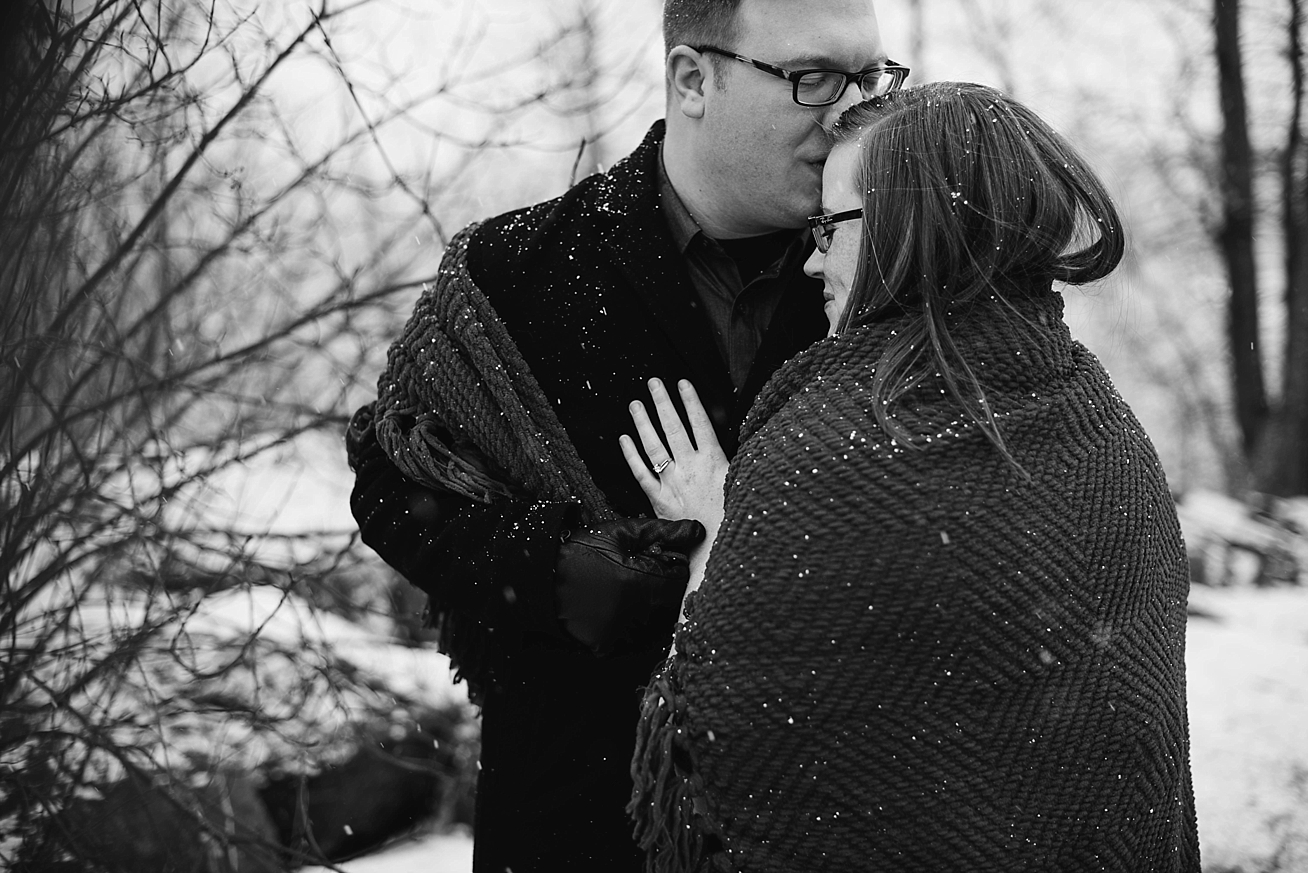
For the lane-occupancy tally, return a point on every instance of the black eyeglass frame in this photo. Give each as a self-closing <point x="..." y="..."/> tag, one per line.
<point x="821" y="226"/>
<point x="897" y="72"/>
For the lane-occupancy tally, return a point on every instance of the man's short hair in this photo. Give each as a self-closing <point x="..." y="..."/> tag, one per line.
<point x="701" y="22"/>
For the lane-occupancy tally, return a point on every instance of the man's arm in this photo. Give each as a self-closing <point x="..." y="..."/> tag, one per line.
<point x="516" y="566"/>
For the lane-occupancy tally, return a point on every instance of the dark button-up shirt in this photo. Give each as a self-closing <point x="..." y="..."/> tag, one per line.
<point x="737" y="280"/>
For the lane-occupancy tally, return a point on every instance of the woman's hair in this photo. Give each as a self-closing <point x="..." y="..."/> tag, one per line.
<point x="968" y="196"/>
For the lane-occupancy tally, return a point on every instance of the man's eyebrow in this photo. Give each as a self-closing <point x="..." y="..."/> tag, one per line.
<point x="820" y="62"/>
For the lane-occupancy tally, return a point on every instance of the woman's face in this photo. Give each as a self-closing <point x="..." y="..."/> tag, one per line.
<point x="837" y="266"/>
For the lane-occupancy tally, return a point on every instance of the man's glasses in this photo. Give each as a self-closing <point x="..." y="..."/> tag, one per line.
<point x="823" y="229"/>
<point x="824" y="87"/>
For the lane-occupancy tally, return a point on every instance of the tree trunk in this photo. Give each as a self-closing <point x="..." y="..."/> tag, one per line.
<point x="1281" y="466"/>
<point x="1235" y="234"/>
<point x="917" y="40"/>
<point x="591" y="154"/>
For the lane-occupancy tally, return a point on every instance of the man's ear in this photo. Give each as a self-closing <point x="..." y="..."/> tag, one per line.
<point x="689" y="74"/>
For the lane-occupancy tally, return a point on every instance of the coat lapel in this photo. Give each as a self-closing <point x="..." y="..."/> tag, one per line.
<point x="632" y="227"/>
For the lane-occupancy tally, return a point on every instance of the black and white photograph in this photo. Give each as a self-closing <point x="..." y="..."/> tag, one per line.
<point x="654" y="436"/>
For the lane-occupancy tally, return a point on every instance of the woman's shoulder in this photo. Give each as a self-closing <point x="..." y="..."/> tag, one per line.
<point x="831" y="366"/>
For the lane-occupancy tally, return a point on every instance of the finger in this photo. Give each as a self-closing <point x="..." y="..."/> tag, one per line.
<point x="673" y="428"/>
<point x="647" y="481"/>
<point x="701" y="426"/>
<point x="649" y="437"/>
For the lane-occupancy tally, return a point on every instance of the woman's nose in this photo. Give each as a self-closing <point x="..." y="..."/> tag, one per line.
<point x="813" y="266"/>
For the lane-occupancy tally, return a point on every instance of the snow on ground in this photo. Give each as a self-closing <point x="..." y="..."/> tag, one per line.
<point x="309" y="674"/>
<point x="1247" y="657"/>
<point x="1248" y="693"/>
<point x="431" y="853"/>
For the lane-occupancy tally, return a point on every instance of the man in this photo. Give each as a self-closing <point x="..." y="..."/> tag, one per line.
<point x="684" y="261"/>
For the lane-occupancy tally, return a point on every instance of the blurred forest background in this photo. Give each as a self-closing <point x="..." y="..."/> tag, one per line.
<point x="216" y="214"/>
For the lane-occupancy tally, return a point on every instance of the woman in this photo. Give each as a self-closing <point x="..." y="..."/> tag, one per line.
<point x="942" y="625"/>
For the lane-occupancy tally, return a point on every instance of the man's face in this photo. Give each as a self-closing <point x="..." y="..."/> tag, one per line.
<point x="763" y="152"/>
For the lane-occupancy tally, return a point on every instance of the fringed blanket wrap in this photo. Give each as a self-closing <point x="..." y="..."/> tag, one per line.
<point x="917" y="659"/>
<point x="458" y="408"/>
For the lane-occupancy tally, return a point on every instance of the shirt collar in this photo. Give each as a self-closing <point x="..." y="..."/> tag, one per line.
<point x="683" y="226"/>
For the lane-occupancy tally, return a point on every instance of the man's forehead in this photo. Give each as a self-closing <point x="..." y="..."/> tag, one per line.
<point x="813" y="33"/>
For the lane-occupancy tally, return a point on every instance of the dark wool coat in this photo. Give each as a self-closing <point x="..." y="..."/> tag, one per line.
<point x="923" y="659"/>
<point x="597" y="300"/>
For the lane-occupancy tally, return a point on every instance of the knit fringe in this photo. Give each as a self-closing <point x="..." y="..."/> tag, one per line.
<point x="665" y="785"/>
<point x="469" y="647"/>
<point x="456" y="374"/>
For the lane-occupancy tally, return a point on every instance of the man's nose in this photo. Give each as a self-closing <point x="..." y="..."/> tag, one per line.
<point x="853" y="95"/>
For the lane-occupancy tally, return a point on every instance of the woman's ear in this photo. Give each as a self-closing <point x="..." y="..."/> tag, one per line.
<point x="689" y="75"/>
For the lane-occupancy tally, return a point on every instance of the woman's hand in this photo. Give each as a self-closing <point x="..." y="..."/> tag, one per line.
<point x="688" y="478"/>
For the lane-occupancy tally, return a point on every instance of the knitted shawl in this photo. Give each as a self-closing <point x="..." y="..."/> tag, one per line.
<point x="925" y="657"/>
<point x="458" y="408"/>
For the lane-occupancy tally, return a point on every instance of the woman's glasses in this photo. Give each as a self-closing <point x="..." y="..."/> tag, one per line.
<point x="823" y="229"/>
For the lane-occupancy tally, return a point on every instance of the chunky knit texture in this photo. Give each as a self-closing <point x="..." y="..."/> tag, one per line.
<point x="455" y="378"/>
<point x="459" y="410"/>
<point x="925" y="658"/>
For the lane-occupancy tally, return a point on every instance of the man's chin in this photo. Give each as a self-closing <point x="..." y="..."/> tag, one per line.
<point x="813" y="188"/>
<point x="806" y="208"/>
<point x="794" y="211"/>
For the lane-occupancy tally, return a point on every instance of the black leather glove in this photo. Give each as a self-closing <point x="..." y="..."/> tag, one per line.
<point x="619" y="584"/>
<point x="398" y="518"/>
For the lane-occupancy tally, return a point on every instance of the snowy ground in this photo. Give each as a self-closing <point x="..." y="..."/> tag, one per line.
<point x="1248" y="691"/>
<point x="432" y="853"/>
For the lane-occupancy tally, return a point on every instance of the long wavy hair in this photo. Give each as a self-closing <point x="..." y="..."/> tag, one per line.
<point x="968" y="198"/>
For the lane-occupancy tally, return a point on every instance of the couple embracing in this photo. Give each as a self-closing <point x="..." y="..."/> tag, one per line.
<point x="934" y="589"/>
